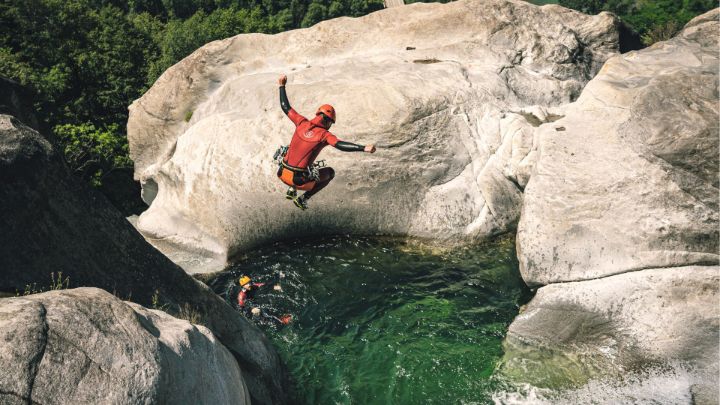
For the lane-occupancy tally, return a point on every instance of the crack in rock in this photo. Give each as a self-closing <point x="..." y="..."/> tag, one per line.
<point x="38" y="358"/>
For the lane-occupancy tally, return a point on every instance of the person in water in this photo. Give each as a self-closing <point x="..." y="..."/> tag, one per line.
<point x="310" y="137"/>
<point x="247" y="292"/>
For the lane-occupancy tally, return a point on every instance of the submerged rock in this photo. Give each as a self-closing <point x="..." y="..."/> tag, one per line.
<point x="86" y="346"/>
<point x="620" y="219"/>
<point x="448" y="92"/>
<point x="52" y="223"/>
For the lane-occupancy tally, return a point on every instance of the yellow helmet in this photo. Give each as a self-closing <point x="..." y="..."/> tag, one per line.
<point x="244" y="280"/>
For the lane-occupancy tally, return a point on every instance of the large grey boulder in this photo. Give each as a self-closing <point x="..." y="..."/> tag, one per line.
<point x="628" y="179"/>
<point x="619" y="323"/>
<point x="449" y="92"/>
<point x="620" y="222"/>
<point x="86" y="346"/>
<point x="51" y="223"/>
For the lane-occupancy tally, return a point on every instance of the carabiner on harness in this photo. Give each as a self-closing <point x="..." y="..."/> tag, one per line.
<point x="313" y="171"/>
<point x="280" y="155"/>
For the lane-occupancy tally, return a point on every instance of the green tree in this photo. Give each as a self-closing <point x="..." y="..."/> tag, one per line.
<point x="654" y="20"/>
<point x="315" y="13"/>
<point x="91" y="152"/>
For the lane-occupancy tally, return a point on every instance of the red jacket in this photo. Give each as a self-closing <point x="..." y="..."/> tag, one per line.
<point x="309" y="139"/>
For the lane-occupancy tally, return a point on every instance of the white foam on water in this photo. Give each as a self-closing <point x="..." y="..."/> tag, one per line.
<point x="660" y="385"/>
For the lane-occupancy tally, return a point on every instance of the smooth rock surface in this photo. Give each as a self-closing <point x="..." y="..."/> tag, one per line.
<point x="631" y="180"/>
<point x="620" y="223"/>
<point x="623" y="321"/>
<point x="51" y="223"/>
<point x="86" y="346"/>
<point x="448" y="92"/>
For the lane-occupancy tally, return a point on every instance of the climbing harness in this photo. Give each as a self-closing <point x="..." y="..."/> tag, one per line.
<point x="312" y="172"/>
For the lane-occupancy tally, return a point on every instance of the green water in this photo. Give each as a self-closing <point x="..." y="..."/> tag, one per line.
<point x="380" y="321"/>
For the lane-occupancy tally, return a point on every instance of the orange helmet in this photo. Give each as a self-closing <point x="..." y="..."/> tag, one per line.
<point x="328" y="110"/>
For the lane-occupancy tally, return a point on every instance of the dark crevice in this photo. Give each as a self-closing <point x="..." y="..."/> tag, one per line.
<point x="427" y="61"/>
<point x="37" y="360"/>
<point x="701" y="262"/>
<point x="628" y="40"/>
<point x="16" y="395"/>
<point x="514" y="181"/>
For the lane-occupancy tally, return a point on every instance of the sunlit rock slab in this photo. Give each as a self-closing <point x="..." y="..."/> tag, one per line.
<point x="450" y="93"/>
<point x="573" y="332"/>
<point x="628" y="179"/>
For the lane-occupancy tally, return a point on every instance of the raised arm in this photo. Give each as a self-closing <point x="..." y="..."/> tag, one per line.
<point x="285" y="103"/>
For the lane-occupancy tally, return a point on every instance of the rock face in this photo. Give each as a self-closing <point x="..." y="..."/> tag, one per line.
<point x="623" y="321"/>
<point x="449" y="92"/>
<point x="632" y="180"/>
<point x="620" y="216"/>
<point x="52" y="223"/>
<point x="86" y="346"/>
<point x="17" y="101"/>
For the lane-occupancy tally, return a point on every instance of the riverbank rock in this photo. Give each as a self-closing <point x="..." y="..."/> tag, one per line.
<point x="631" y="180"/>
<point x="51" y="223"/>
<point x="620" y="218"/>
<point x="86" y="346"/>
<point x="449" y="93"/>
<point x="619" y="323"/>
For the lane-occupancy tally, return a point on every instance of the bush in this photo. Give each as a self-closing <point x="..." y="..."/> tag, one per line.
<point x="91" y="152"/>
<point x="654" y="20"/>
<point x="55" y="284"/>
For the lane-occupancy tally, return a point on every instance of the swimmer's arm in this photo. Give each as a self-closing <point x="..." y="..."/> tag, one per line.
<point x="349" y="147"/>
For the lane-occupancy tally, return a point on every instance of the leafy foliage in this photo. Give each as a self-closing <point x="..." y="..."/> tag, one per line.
<point x="93" y="152"/>
<point x="654" y="20"/>
<point x="87" y="60"/>
<point x="56" y="284"/>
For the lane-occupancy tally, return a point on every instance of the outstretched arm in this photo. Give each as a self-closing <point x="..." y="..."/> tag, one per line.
<point x="348" y="146"/>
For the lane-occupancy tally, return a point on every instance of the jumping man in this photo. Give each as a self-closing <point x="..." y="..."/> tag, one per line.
<point x="309" y="139"/>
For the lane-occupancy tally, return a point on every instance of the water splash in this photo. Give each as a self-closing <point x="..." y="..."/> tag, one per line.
<point x="667" y="384"/>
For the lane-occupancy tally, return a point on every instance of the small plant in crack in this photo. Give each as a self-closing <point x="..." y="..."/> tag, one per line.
<point x="58" y="283"/>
